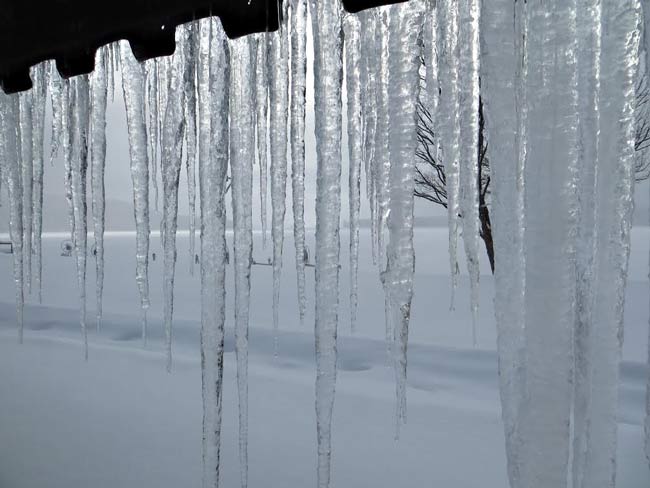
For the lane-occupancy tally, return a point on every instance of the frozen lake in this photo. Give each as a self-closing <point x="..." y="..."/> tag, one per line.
<point x="121" y="421"/>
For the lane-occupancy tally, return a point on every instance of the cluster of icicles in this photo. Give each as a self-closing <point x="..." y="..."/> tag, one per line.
<point x="557" y="86"/>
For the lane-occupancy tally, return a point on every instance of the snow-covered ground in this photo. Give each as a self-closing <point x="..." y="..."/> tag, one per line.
<point x="121" y="421"/>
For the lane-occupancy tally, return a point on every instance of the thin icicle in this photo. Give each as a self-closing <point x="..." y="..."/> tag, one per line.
<point x="67" y="117"/>
<point x="503" y="72"/>
<point x="190" y="138"/>
<point x="213" y="160"/>
<point x="262" y="101"/>
<point x="78" y="168"/>
<point x="551" y="210"/>
<point x="328" y="74"/>
<point x="468" y="79"/>
<point x="369" y="62"/>
<point x="352" y="27"/>
<point x="278" y="64"/>
<point x="449" y="123"/>
<point x="298" y="82"/>
<point x="153" y="129"/>
<point x="56" y="89"/>
<point x="172" y="142"/>
<point x="133" y="84"/>
<point x="381" y="162"/>
<point x="39" y="94"/>
<point x="430" y="55"/>
<point x="11" y="172"/>
<point x="27" y="160"/>
<point x="99" y="93"/>
<point x="404" y="63"/>
<point x="242" y="155"/>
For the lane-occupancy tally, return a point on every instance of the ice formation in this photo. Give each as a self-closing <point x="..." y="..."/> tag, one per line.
<point x="278" y="67"/>
<point x="133" y="84"/>
<point x="298" y="87"/>
<point x="557" y="84"/>
<point x="99" y="94"/>
<point x="328" y="73"/>
<point x="242" y="155"/>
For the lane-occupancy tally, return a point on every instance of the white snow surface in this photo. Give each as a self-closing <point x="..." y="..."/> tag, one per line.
<point x="121" y="420"/>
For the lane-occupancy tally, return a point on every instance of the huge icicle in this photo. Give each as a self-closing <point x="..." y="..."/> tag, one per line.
<point x="450" y="122"/>
<point x="468" y="80"/>
<point x="39" y="96"/>
<point x="352" y="36"/>
<point x="646" y="12"/>
<point x="549" y="239"/>
<point x="11" y="172"/>
<point x="613" y="202"/>
<point x="298" y="82"/>
<point x="213" y="159"/>
<point x="278" y="101"/>
<point x="172" y="142"/>
<point x="404" y="63"/>
<point x="133" y="84"/>
<point x="589" y="58"/>
<point x="99" y="93"/>
<point x="502" y="59"/>
<point x="80" y="99"/>
<point x="261" y="102"/>
<point x="242" y="155"/>
<point x="328" y="53"/>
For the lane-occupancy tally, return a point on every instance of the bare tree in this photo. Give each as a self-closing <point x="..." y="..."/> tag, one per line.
<point x="430" y="179"/>
<point x="431" y="182"/>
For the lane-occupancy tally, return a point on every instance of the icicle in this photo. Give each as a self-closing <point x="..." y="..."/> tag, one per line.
<point x="99" y="93"/>
<point x="549" y="239"/>
<point x="133" y="84"/>
<point x="328" y="72"/>
<point x="278" y="94"/>
<point x="39" y="94"/>
<point x="404" y="63"/>
<point x="11" y="172"/>
<point x="589" y="44"/>
<point x="242" y="155"/>
<point x="352" y="28"/>
<point x="153" y="129"/>
<point x="190" y="139"/>
<point x="430" y="54"/>
<point x="614" y="200"/>
<point x="56" y="89"/>
<point x="503" y="62"/>
<point x="213" y="160"/>
<point x="469" y="14"/>
<point x="67" y="118"/>
<point x="27" y="158"/>
<point x="261" y="101"/>
<point x="298" y="82"/>
<point x="369" y="62"/>
<point x="78" y="167"/>
<point x="449" y="123"/>
<point x="172" y="141"/>
<point x="381" y="169"/>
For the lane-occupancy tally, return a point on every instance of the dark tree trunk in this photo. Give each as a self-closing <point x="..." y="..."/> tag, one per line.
<point x="486" y="231"/>
<point x="483" y="185"/>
